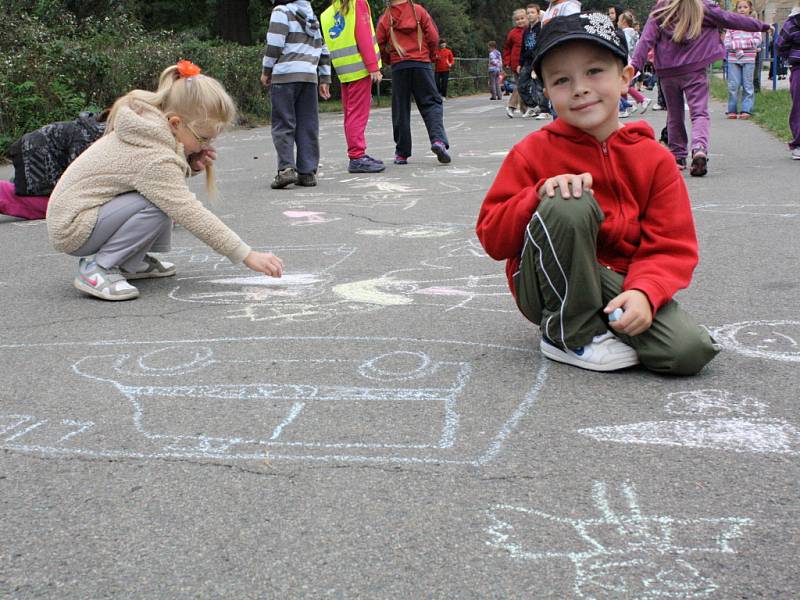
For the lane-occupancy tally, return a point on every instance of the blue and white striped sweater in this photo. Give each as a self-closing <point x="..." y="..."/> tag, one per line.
<point x="295" y="49"/>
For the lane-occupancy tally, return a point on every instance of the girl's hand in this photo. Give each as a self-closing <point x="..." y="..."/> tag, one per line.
<point x="198" y="161"/>
<point x="324" y="91"/>
<point x="637" y="316"/>
<point x="264" y="262"/>
<point x="579" y="183"/>
<point x="376" y="76"/>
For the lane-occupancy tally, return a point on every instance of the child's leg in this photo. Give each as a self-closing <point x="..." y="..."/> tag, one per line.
<point x="673" y="95"/>
<point x="284" y="122"/>
<point x="127" y="228"/>
<point x="734" y="81"/>
<point x="401" y="110"/>
<point x="429" y="104"/>
<point x="794" y="115"/>
<point x="24" y="207"/>
<point x="674" y="344"/>
<point x="445" y="81"/>
<point x="306" y="111"/>
<point x="497" y="92"/>
<point x="356" y="101"/>
<point x="636" y="95"/>
<point x="748" y="85"/>
<point x="559" y="283"/>
<point x="696" y="90"/>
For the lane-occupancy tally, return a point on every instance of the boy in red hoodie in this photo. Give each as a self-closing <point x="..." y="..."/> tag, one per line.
<point x="444" y="62"/>
<point x="593" y="218"/>
<point x="408" y="40"/>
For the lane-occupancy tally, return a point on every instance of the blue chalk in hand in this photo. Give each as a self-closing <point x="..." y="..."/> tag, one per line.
<point x="615" y="315"/>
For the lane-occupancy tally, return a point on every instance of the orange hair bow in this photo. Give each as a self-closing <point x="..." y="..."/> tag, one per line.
<point x="187" y="68"/>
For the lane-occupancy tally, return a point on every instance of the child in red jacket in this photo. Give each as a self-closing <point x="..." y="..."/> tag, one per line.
<point x="511" y="53"/>
<point x="408" y="39"/>
<point x="594" y="219"/>
<point x="444" y="61"/>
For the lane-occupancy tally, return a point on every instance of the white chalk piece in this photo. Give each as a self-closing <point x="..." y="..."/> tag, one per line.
<point x="615" y="315"/>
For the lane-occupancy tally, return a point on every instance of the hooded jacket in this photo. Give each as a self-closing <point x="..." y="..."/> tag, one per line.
<point x="140" y="155"/>
<point x="648" y="231"/>
<point x="296" y="52"/>
<point x="513" y="47"/>
<point x="400" y="17"/>
<point x="789" y="38"/>
<point x="673" y="59"/>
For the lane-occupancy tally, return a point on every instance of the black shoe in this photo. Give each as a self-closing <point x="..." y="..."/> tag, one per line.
<point x="699" y="164"/>
<point x="287" y="176"/>
<point x="681" y="162"/>
<point x="306" y="179"/>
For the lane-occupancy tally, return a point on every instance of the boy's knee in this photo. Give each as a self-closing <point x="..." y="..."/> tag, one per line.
<point x="686" y="355"/>
<point x="570" y="211"/>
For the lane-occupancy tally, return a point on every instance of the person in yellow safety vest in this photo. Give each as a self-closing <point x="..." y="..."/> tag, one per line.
<point x="350" y="37"/>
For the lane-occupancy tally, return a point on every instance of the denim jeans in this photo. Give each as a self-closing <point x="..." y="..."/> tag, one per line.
<point x="741" y="75"/>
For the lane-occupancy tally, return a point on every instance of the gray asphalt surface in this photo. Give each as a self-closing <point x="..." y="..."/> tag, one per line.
<point x="380" y="424"/>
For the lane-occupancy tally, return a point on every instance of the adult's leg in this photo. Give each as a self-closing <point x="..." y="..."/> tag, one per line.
<point x="794" y="114"/>
<point x="306" y="109"/>
<point x="748" y="96"/>
<point x="674" y="344"/>
<point x="284" y="122"/>
<point x="672" y="89"/>
<point x="429" y="104"/>
<point x="559" y="282"/>
<point x="356" y="101"/>
<point x="696" y="89"/>
<point x="127" y="228"/>
<point x="734" y="81"/>
<point x="401" y="111"/>
<point x="24" y="207"/>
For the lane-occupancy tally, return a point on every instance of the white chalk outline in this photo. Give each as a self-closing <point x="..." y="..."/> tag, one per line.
<point x="726" y="335"/>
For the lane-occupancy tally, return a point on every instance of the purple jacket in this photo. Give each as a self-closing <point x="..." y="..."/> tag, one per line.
<point x="673" y="59"/>
<point x="789" y="39"/>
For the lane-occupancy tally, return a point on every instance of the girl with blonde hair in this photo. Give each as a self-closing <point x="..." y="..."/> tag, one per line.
<point x="742" y="48"/>
<point x="117" y="201"/>
<point x="685" y="35"/>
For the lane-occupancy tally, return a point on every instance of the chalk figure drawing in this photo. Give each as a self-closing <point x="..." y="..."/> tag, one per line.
<point x="773" y="340"/>
<point x="719" y="421"/>
<point x="294" y="398"/>
<point x="622" y="552"/>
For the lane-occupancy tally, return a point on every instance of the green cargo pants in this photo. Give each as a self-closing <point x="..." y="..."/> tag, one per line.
<point x="561" y="286"/>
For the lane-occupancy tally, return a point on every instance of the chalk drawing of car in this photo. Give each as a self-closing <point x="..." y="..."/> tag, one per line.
<point x="190" y="399"/>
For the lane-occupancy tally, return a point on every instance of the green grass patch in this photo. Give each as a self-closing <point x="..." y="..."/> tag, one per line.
<point x="771" y="109"/>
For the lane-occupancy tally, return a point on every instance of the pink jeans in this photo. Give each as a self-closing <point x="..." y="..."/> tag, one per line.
<point x="356" y="102"/>
<point x="26" y="207"/>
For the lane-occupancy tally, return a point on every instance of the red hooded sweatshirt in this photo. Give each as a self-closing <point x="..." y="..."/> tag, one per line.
<point x="513" y="47"/>
<point x="648" y="233"/>
<point x="406" y="34"/>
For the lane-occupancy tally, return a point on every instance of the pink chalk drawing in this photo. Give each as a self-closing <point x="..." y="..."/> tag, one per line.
<point x="309" y="217"/>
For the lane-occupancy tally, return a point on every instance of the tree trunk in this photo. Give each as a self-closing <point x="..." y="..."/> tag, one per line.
<point x="233" y="21"/>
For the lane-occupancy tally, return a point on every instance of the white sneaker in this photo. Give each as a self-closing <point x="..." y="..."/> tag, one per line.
<point x="657" y="106"/>
<point x="643" y="106"/>
<point x="542" y="116"/>
<point x="796" y="153"/>
<point x="606" y="352"/>
<point x="510" y="112"/>
<point x="624" y="114"/>
<point x="107" y="284"/>
<point x="531" y="112"/>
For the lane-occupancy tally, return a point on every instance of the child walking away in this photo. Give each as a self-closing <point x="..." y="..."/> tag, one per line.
<point x="512" y="50"/>
<point x="444" y="62"/>
<point x="117" y="201"/>
<point x="295" y="60"/>
<point x="350" y="38"/>
<point x="742" y="47"/>
<point x="495" y="68"/>
<point x="686" y="38"/>
<point x="789" y="49"/>
<point x="593" y="263"/>
<point x="408" y="40"/>
<point x="40" y="157"/>
<point x="625" y="23"/>
<point x="530" y="87"/>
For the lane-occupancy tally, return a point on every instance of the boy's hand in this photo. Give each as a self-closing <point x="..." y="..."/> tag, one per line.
<point x="579" y="184"/>
<point x="266" y="79"/>
<point x="376" y="76"/>
<point x="198" y="161"/>
<point x="264" y="262"/>
<point x="325" y="91"/>
<point x="637" y="316"/>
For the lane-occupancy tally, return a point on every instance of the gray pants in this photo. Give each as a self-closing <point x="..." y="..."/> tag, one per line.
<point x="561" y="286"/>
<point x="295" y="121"/>
<point x="127" y="228"/>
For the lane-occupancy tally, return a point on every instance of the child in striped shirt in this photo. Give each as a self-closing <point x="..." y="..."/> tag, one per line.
<point x="741" y="49"/>
<point x="295" y="62"/>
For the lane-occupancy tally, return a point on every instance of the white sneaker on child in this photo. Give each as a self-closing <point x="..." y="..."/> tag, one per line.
<point x="510" y="112"/>
<point x="606" y="352"/>
<point x="643" y="106"/>
<point x="531" y="112"/>
<point x="796" y="153"/>
<point x="107" y="284"/>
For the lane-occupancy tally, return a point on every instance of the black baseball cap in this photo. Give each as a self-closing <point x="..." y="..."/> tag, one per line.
<point x="594" y="27"/>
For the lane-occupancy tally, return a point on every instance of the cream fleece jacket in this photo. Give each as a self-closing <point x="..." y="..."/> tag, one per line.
<point x="141" y="155"/>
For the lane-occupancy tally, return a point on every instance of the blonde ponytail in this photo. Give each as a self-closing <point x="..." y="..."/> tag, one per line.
<point x="684" y="16"/>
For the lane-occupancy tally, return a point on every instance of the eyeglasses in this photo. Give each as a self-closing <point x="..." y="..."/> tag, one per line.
<point x="203" y="141"/>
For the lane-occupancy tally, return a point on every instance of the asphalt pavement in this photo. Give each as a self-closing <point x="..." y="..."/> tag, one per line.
<point x="380" y="423"/>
